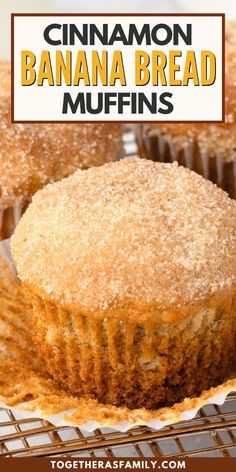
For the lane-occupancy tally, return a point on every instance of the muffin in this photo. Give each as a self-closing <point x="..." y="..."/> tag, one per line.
<point x="31" y="155"/>
<point x="207" y="148"/>
<point x="131" y="271"/>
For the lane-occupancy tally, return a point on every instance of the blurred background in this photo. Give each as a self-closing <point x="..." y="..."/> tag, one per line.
<point x="99" y="6"/>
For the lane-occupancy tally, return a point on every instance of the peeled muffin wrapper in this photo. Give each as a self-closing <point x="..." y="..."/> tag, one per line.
<point x="27" y="388"/>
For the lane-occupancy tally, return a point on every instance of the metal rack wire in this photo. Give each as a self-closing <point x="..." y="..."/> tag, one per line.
<point x="212" y="433"/>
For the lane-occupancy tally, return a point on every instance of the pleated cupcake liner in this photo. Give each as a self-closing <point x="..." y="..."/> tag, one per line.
<point x="10" y="216"/>
<point x="127" y="363"/>
<point x="89" y="414"/>
<point x="161" y="147"/>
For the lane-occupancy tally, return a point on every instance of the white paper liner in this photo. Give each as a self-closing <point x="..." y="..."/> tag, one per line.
<point x="120" y="419"/>
<point x="166" y="417"/>
<point x="164" y="141"/>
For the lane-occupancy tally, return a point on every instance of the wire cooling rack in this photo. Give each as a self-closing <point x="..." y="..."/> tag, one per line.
<point x="212" y="433"/>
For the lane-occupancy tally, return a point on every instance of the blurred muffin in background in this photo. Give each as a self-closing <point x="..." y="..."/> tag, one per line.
<point x="230" y="33"/>
<point x="32" y="155"/>
<point x="207" y="148"/>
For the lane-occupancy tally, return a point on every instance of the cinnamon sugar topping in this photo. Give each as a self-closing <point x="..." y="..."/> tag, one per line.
<point x="131" y="231"/>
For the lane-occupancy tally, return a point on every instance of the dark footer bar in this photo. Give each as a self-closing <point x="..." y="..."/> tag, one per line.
<point x="199" y="464"/>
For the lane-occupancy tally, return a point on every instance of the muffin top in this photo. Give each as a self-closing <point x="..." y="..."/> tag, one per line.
<point x="213" y="138"/>
<point x="133" y="231"/>
<point x="32" y="155"/>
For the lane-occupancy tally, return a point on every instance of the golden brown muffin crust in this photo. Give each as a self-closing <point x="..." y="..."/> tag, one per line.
<point x="134" y="232"/>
